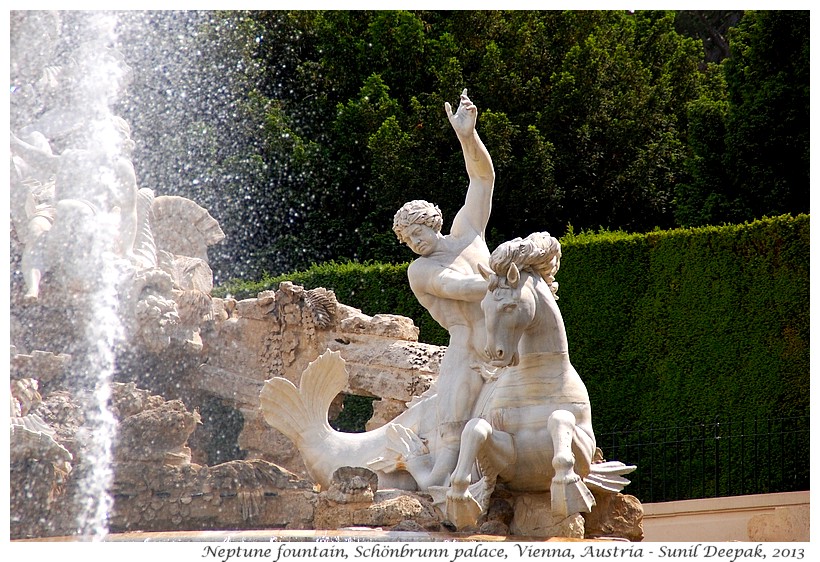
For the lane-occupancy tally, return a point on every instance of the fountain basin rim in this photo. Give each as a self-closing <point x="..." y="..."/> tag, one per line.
<point x="340" y="535"/>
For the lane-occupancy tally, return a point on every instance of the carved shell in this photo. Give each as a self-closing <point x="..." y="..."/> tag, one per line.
<point x="323" y="304"/>
<point x="28" y="440"/>
<point x="183" y="228"/>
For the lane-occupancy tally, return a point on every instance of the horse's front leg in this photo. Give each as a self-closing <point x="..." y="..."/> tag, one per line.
<point x="475" y="434"/>
<point x="462" y="508"/>
<point x="568" y="492"/>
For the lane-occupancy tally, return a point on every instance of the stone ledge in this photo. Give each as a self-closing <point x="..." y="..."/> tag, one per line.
<point x="780" y="517"/>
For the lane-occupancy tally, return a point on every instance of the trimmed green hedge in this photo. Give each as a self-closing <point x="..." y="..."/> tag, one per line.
<point x="669" y="327"/>
<point x="687" y="325"/>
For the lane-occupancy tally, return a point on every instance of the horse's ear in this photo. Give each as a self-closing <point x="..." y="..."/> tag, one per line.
<point x="513" y="276"/>
<point x="485" y="271"/>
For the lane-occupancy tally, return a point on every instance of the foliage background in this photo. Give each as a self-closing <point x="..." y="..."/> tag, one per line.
<point x="303" y="131"/>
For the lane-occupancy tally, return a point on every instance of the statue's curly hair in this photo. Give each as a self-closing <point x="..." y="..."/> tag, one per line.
<point x="417" y="212"/>
<point x="539" y="252"/>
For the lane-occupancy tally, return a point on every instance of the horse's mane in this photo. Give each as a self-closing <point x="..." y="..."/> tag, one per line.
<point x="539" y="253"/>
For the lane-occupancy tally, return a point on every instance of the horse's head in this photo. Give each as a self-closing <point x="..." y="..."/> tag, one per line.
<point x="509" y="308"/>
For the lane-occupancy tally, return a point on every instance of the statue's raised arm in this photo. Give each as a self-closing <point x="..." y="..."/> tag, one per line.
<point x="474" y="215"/>
<point x="445" y="279"/>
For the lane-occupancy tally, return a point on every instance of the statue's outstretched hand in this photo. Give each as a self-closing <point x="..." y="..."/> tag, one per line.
<point x="464" y="119"/>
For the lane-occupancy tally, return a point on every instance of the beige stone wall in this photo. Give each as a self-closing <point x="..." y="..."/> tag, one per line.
<point x="280" y="332"/>
<point x="780" y="517"/>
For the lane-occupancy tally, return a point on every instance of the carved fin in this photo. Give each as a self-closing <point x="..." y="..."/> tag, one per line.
<point x="608" y="476"/>
<point x="482" y="491"/>
<point x="295" y="411"/>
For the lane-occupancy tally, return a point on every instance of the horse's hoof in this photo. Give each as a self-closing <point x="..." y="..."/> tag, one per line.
<point x="570" y="496"/>
<point x="462" y="511"/>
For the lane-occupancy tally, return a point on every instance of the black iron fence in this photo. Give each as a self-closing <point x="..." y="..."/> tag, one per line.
<point x="713" y="459"/>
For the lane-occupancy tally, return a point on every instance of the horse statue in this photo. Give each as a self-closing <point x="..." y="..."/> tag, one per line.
<point x="532" y="424"/>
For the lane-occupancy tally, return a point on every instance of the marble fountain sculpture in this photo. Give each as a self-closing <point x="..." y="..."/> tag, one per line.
<point x="140" y="402"/>
<point x="508" y="408"/>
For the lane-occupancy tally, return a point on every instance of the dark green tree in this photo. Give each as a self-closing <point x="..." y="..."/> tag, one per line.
<point x="749" y="130"/>
<point x="617" y="121"/>
<point x="701" y="199"/>
<point x="711" y="27"/>
<point x="768" y="121"/>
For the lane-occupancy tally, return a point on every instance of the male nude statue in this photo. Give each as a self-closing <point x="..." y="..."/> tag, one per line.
<point x="446" y="282"/>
